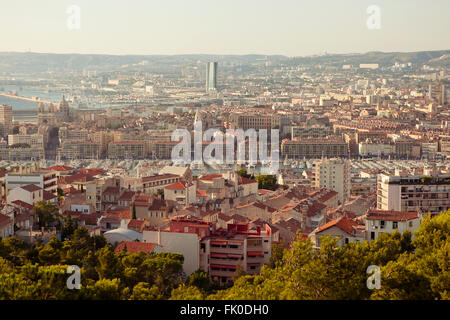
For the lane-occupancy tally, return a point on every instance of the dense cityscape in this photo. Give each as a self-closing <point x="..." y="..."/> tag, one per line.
<point x="224" y="159"/>
<point x="364" y="153"/>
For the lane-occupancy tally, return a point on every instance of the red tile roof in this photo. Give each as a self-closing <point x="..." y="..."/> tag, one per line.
<point x="48" y="195"/>
<point x="210" y="176"/>
<point x="391" y="215"/>
<point x="181" y="185"/>
<point x="243" y="180"/>
<point x="134" y="247"/>
<point x="31" y="187"/>
<point x="78" y="177"/>
<point x="59" y="168"/>
<point x="134" y="223"/>
<point x="22" y="204"/>
<point x="92" y="171"/>
<point x="342" y="223"/>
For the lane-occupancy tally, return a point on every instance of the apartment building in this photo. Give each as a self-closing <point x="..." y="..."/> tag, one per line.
<point x="314" y="148"/>
<point x="33" y="140"/>
<point x="333" y="174"/>
<point x="162" y="149"/>
<point x="45" y="179"/>
<point x="406" y="192"/>
<point x="239" y="245"/>
<point x="152" y="184"/>
<point x="72" y="134"/>
<point x="182" y="192"/>
<point x="255" y="121"/>
<point x="127" y="150"/>
<point x="23" y="154"/>
<point x="6" y="119"/>
<point x="79" y="150"/>
<point x="305" y="132"/>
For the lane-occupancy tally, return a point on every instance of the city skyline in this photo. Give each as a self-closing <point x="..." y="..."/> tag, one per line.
<point x="285" y="27"/>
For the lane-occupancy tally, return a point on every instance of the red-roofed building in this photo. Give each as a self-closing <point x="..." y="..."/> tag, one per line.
<point x="380" y="221"/>
<point x="30" y="194"/>
<point x="182" y="192"/>
<point x="137" y="225"/>
<point x="344" y="229"/>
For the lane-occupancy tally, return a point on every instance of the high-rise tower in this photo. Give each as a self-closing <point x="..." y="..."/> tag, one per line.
<point x="6" y="119"/>
<point x="211" y="76"/>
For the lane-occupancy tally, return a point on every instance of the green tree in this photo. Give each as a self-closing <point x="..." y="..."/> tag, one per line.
<point x="186" y="292"/>
<point x="199" y="279"/>
<point x="69" y="227"/>
<point x="108" y="264"/>
<point x="243" y="173"/>
<point x="47" y="213"/>
<point x="145" y="291"/>
<point x="268" y="182"/>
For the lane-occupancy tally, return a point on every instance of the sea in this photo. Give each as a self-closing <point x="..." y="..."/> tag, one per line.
<point x="26" y="111"/>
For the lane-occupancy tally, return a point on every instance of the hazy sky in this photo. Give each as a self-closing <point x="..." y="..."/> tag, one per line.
<point x="288" y="27"/>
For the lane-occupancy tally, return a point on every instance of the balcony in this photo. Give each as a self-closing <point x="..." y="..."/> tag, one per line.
<point x="227" y="250"/>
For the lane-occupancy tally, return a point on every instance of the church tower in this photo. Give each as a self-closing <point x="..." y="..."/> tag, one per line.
<point x="64" y="109"/>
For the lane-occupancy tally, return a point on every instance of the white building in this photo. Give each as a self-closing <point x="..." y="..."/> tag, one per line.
<point x="375" y="149"/>
<point x="33" y="140"/>
<point x="379" y="221"/>
<point x="45" y="179"/>
<point x="30" y="194"/>
<point x="187" y="244"/>
<point x="406" y="192"/>
<point x="333" y="174"/>
<point x="181" y="192"/>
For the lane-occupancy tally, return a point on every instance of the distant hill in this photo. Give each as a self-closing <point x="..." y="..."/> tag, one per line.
<point x="41" y="62"/>
<point x="434" y="58"/>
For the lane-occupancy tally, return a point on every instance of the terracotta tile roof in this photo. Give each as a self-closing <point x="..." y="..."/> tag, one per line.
<point x="134" y="223"/>
<point x="209" y="177"/>
<point x="181" y="185"/>
<point x="157" y="204"/>
<point x="31" y="187"/>
<point x="127" y="196"/>
<point x="59" y="168"/>
<point x="71" y="190"/>
<point x="78" y="177"/>
<point x="342" y="223"/>
<point x="92" y="171"/>
<point x="22" y="204"/>
<point x="48" y="195"/>
<point x="121" y="212"/>
<point x="111" y="190"/>
<point x="135" y="246"/>
<point x="264" y="207"/>
<point x="391" y="215"/>
<point x="243" y="180"/>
